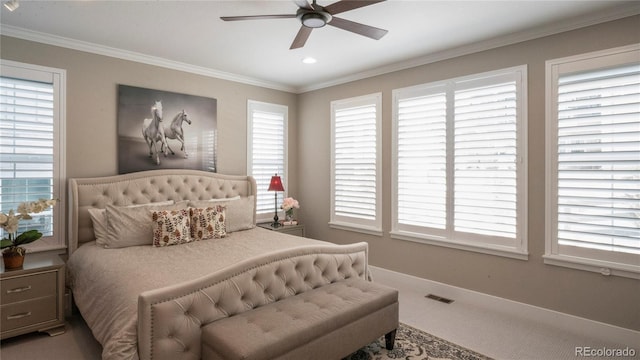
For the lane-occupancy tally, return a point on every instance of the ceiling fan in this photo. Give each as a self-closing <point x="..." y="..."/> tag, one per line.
<point x="315" y="16"/>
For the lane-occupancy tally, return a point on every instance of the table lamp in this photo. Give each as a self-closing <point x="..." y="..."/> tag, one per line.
<point x="276" y="185"/>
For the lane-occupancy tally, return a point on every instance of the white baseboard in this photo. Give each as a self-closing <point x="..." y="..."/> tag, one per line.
<point x="592" y="328"/>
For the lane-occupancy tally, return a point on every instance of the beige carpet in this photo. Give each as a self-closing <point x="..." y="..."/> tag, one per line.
<point x="77" y="343"/>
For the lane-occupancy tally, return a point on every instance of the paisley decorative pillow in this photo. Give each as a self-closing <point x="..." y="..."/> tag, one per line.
<point x="170" y="227"/>
<point x="208" y="223"/>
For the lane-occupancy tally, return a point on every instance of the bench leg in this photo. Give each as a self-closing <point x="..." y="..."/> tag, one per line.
<point x="390" y="339"/>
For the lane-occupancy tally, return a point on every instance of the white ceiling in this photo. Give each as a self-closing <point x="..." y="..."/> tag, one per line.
<point x="189" y="35"/>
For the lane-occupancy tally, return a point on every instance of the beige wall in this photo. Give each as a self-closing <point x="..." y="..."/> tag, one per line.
<point x="92" y="88"/>
<point x="613" y="300"/>
<point x="91" y="151"/>
<point x="92" y="82"/>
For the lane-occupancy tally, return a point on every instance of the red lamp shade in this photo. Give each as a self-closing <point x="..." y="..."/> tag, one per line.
<point x="276" y="184"/>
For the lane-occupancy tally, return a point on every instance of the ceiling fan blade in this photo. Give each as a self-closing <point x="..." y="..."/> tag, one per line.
<point x="257" y="17"/>
<point x="346" y="5"/>
<point x="358" y="28"/>
<point x="303" y="4"/>
<point x="301" y="38"/>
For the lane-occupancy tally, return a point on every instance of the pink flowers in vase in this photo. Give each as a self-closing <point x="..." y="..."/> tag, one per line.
<point x="288" y="204"/>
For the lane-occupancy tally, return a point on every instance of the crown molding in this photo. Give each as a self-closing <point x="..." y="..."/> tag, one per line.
<point x="631" y="9"/>
<point x="88" y="47"/>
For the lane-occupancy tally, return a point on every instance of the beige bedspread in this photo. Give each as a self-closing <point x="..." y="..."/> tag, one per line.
<point x="106" y="282"/>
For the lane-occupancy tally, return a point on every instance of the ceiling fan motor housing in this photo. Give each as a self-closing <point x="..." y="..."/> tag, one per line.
<point x="315" y="18"/>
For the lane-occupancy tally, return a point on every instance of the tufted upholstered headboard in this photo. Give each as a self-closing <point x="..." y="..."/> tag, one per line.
<point x="146" y="187"/>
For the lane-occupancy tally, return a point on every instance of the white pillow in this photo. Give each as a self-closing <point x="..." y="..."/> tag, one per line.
<point x="240" y="211"/>
<point x="99" y="219"/>
<point x="241" y="214"/>
<point x="237" y="197"/>
<point x="132" y="226"/>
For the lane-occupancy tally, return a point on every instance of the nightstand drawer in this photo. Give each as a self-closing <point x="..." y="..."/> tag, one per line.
<point x="297" y="231"/>
<point x="27" y="313"/>
<point x="28" y="287"/>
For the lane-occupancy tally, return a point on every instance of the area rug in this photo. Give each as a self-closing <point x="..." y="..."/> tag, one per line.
<point x="414" y="344"/>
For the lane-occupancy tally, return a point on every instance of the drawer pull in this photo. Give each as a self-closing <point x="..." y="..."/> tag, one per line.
<point x="19" y="316"/>
<point x="19" y="290"/>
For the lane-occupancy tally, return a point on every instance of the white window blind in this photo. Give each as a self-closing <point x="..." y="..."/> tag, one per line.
<point x="485" y="160"/>
<point x="459" y="170"/>
<point x="422" y="160"/>
<point x="596" y="160"/>
<point x="30" y="153"/>
<point x="355" y="162"/>
<point x="599" y="159"/>
<point x="267" y="151"/>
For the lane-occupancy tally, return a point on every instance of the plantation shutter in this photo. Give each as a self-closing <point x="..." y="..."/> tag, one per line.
<point x="422" y="160"/>
<point x="485" y="160"/>
<point x="27" y="148"/>
<point x="459" y="163"/>
<point x="598" y="159"/>
<point x="267" y="153"/>
<point x="355" y="162"/>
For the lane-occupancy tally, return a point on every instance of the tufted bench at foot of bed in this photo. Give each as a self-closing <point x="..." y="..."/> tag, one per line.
<point x="328" y="322"/>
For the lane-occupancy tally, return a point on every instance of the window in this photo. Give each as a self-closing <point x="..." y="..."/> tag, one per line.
<point x="267" y="155"/>
<point x="459" y="170"/>
<point x="593" y="162"/>
<point x="32" y="146"/>
<point x="355" y="164"/>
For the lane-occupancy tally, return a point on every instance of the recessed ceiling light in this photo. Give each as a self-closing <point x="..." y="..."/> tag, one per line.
<point x="309" y="60"/>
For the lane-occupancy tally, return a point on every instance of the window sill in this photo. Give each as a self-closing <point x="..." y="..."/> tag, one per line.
<point x="473" y="247"/>
<point x="356" y="228"/>
<point x="602" y="267"/>
<point x="42" y="246"/>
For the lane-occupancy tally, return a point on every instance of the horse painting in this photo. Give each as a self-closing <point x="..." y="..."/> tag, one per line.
<point x="153" y="132"/>
<point x="174" y="131"/>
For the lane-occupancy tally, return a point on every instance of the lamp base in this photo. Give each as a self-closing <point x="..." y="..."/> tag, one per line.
<point x="275" y="222"/>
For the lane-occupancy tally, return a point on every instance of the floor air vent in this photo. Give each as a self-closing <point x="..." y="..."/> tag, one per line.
<point x="439" y="298"/>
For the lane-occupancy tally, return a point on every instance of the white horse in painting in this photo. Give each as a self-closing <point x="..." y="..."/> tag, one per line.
<point x="174" y="131"/>
<point x="153" y="132"/>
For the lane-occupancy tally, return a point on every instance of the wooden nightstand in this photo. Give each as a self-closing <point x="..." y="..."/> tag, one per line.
<point x="297" y="230"/>
<point x="32" y="298"/>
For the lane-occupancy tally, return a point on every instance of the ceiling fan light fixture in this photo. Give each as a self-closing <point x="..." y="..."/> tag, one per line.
<point x="12" y="5"/>
<point x="315" y="19"/>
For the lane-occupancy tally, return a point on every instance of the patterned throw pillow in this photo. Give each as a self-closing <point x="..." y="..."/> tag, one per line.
<point x="170" y="227"/>
<point x="208" y="223"/>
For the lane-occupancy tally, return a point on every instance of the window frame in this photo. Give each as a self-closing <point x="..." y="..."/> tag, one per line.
<point x="57" y="77"/>
<point x="253" y="105"/>
<point x="593" y="260"/>
<point x="370" y="227"/>
<point x="518" y="248"/>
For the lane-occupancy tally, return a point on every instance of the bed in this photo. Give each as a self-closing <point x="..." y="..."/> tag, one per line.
<point x="143" y="300"/>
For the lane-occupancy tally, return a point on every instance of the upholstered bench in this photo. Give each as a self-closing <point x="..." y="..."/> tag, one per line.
<point x="328" y="322"/>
